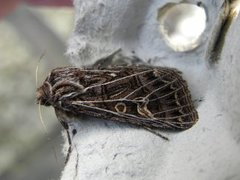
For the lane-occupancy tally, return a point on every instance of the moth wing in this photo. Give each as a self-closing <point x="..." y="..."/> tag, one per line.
<point x="152" y="97"/>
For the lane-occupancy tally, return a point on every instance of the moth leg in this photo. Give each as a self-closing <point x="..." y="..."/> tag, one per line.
<point x="106" y="61"/>
<point x="65" y="125"/>
<point x="156" y="133"/>
<point x="69" y="148"/>
<point x="118" y="58"/>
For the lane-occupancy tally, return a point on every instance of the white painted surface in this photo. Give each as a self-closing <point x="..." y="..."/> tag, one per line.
<point x="107" y="150"/>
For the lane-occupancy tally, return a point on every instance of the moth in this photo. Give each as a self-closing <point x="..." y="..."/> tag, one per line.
<point x="154" y="98"/>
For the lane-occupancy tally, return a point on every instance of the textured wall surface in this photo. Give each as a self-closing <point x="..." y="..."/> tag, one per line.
<point x="108" y="150"/>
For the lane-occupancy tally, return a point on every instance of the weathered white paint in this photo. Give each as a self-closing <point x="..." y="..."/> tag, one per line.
<point x="107" y="150"/>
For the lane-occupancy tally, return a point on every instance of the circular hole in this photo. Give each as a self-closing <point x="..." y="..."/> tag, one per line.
<point x="182" y="25"/>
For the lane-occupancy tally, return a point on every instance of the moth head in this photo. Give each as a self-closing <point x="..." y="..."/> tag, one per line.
<point x="43" y="94"/>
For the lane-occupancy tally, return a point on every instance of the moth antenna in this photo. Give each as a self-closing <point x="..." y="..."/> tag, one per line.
<point x="36" y="71"/>
<point x="41" y="119"/>
<point x="47" y="133"/>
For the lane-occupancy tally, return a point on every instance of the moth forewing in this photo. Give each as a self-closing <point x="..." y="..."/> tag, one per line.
<point x="149" y="97"/>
